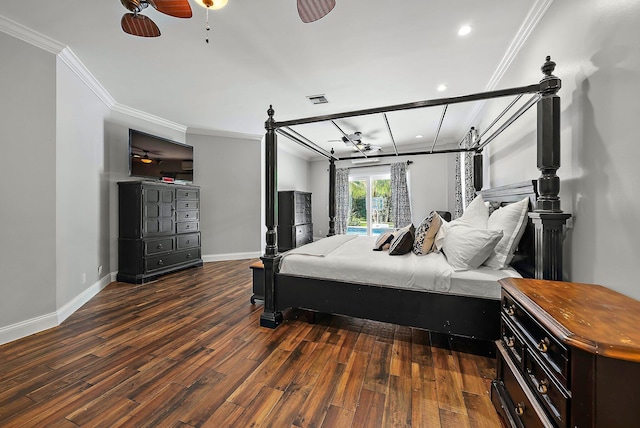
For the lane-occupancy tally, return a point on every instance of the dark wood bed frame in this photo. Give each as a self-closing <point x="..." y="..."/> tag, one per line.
<point x="539" y="254"/>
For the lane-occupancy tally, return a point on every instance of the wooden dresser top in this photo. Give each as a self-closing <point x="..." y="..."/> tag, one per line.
<point x="586" y="316"/>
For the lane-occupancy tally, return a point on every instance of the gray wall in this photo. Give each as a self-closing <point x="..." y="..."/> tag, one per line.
<point x="82" y="187"/>
<point x="595" y="44"/>
<point x="228" y="169"/>
<point x="28" y="214"/>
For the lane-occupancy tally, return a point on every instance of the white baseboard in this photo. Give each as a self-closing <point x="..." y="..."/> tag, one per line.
<point x="35" y="325"/>
<point x="230" y="256"/>
<point x="82" y="298"/>
<point x="28" y="327"/>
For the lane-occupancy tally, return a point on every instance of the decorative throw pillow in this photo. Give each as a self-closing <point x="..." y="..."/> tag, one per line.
<point x="383" y="242"/>
<point x="466" y="247"/>
<point x="403" y="241"/>
<point x="426" y="234"/>
<point x="511" y="219"/>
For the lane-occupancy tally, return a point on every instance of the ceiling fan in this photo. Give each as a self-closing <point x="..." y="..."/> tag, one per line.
<point x="312" y="10"/>
<point x="356" y="137"/>
<point x="140" y="25"/>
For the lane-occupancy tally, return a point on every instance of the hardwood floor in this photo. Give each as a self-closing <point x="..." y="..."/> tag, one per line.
<point x="187" y="351"/>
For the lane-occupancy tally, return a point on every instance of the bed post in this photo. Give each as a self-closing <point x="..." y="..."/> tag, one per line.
<point x="270" y="317"/>
<point x="332" y="196"/>
<point x="548" y="218"/>
<point x="477" y="171"/>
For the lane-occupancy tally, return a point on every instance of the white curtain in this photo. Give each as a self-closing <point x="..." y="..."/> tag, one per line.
<point x="465" y="192"/>
<point x="400" y="203"/>
<point x="342" y="200"/>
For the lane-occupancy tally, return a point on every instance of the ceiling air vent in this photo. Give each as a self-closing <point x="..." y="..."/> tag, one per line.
<point x="317" y="99"/>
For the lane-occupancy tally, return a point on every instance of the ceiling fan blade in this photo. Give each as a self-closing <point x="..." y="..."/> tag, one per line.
<point x="139" y="25"/>
<point x="177" y="8"/>
<point x="312" y="10"/>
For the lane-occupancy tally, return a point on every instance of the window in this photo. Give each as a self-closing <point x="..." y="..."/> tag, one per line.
<point x="370" y="204"/>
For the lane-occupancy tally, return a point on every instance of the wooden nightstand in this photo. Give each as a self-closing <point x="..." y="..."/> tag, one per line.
<point x="569" y="356"/>
<point x="258" y="282"/>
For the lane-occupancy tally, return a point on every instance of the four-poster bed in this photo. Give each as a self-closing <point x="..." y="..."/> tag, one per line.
<point x="539" y="254"/>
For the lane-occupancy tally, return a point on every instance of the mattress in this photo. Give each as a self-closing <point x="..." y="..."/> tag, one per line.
<point x="350" y="258"/>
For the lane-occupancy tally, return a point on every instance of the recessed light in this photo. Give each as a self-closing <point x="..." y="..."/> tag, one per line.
<point x="464" y="30"/>
<point x="441" y="88"/>
<point x="419" y="136"/>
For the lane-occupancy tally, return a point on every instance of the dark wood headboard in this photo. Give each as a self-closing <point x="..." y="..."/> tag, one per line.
<point x="524" y="258"/>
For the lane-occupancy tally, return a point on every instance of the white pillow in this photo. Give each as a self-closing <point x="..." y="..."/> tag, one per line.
<point x="475" y="215"/>
<point x="511" y="219"/>
<point x="466" y="247"/>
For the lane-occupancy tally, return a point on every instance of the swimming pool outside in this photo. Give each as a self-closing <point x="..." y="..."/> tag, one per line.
<point x="362" y="230"/>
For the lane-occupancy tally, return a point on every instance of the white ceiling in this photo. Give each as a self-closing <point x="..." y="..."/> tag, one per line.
<point x="365" y="53"/>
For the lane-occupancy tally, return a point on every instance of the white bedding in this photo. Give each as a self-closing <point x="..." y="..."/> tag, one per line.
<point x="350" y="258"/>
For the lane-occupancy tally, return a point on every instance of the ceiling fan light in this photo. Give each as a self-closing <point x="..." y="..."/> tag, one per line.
<point x="212" y="4"/>
<point x="145" y="160"/>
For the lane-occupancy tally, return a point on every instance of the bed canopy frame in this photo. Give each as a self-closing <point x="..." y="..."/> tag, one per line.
<point x="544" y="230"/>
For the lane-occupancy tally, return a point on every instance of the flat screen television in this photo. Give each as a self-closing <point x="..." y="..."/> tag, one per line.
<point x="158" y="158"/>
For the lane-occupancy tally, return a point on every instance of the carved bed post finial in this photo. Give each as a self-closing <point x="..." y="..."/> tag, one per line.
<point x="332" y="195"/>
<point x="548" y="218"/>
<point x="549" y="140"/>
<point x="270" y="260"/>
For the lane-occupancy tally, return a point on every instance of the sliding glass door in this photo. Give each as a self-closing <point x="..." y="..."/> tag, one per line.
<point x="370" y="208"/>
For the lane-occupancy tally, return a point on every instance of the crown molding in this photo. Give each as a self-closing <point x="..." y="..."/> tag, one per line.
<point x="533" y="18"/>
<point x="73" y="62"/>
<point x="224" y="134"/>
<point x="139" y="114"/>
<point x="30" y="36"/>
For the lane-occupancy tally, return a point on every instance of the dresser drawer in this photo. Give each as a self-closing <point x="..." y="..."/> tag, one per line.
<point x="158" y="246"/>
<point x="552" y="396"/>
<point x="549" y="349"/>
<point x="187" y="216"/>
<point x="187" y="226"/>
<point x="304" y="234"/>
<point x="523" y="409"/>
<point x="187" y="194"/>
<point x="191" y="240"/>
<point x="171" y="259"/>
<point x="187" y="205"/>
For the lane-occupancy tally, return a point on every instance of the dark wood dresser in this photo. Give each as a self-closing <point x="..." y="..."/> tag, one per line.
<point x="159" y="229"/>
<point x="295" y="227"/>
<point x="569" y="356"/>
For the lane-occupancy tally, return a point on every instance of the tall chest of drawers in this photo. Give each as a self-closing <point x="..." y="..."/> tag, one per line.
<point x="159" y="229"/>
<point x="569" y="356"/>
<point x="295" y="227"/>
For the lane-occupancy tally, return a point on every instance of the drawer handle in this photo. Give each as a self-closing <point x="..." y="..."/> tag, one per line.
<point x="188" y="255"/>
<point x="188" y="226"/>
<point x="187" y="216"/>
<point x="160" y="262"/>
<point x="520" y="409"/>
<point x="186" y="205"/>
<point x="511" y="342"/>
<point x="159" y="247"/>
<point x="188" y="241"/>
<point x="543" y="346"/>
<point x="510" y="310"/>
<point x="542" y="387"/>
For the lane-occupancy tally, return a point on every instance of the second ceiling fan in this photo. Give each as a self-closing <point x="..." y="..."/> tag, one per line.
<point x="312" y="10"/>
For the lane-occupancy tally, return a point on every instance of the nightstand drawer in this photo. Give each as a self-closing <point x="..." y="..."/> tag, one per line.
<point x="523" y="409"/>
<point x="513" y="343"/>
<point x="549" y="349"/>
<point x="552" y="396"/>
